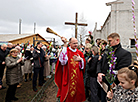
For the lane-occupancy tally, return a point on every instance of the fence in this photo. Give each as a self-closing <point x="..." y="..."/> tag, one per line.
<point x="40" y="94"/>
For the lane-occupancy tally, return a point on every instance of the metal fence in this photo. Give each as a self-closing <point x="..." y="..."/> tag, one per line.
<point x="40" y="94"/>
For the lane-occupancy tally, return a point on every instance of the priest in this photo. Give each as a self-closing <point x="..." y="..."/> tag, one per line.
<point x="69" y="73"/>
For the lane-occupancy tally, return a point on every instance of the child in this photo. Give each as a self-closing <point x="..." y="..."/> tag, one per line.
<point x="92" y="72"/>
<point x="126" y="90"/>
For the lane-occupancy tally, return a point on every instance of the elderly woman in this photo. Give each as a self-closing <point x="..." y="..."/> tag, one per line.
<point x="13" y="74"/>
<point x="19" y="55"/>
<point x="28" y="64"/>
<point x="92" y="72"/>
<point x="86" y="77"/>
<point x="46" y="64"/>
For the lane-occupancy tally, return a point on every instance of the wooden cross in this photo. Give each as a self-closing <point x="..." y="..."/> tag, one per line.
<point x="76" y="24"/>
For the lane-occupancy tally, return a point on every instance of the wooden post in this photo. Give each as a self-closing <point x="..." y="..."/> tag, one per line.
<point x="76" y="24"/>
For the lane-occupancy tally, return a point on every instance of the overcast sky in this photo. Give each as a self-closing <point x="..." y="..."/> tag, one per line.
<point x="50" y="13"/>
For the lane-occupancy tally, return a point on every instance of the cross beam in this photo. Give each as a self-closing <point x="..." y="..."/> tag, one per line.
<point x="76" y="24"/>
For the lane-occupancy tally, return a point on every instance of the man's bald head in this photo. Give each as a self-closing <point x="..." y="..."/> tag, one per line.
<point x="3" y="47"/>
<point x="73" y="42"/>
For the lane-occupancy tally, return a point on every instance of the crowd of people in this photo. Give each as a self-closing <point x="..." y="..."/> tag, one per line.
<point x="20" y="61"/>
<point x="80" y="71"/>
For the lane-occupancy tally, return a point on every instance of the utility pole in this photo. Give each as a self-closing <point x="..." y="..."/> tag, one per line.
<point x="20" y="26"/>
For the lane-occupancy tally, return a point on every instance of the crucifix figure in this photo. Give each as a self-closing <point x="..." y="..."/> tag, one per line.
<point x="76" y="24"/>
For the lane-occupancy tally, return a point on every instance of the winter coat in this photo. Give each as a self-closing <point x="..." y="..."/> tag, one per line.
<point x="28" y="54"/>
<point x="124" y="59"/>
<point x="28" y="64"/>
<point x="38" y="58"/>
<point x="3" y="54"/>
<point x="93" y="66"/>
<point x="13" y="71"/>
<point x="46" y="66"/>
<point x="124" y="95"/>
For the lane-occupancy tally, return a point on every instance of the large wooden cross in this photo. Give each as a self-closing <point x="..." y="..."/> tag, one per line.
<point x="76" y="24"/>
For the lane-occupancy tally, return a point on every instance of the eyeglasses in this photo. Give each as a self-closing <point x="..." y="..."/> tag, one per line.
<point x="109" y="40"/>
<point x="86" y="48"/>
<point x="5" y="47"/>
<point x="14" y="52"/>
<point x="74" y="43"/>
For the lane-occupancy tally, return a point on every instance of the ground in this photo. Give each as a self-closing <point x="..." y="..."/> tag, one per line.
<point x="26" y="94"/>
<point x="50" y="93"/>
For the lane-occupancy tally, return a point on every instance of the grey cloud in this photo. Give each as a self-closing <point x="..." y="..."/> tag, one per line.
<point x="44" y="12"/>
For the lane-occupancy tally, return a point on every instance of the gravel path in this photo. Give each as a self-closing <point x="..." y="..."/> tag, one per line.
<point x="50" y="93"/>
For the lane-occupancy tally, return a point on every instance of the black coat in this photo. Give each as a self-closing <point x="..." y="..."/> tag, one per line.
<point x="3" y="55"/>
<point x="38" y="58"/>
<point x="9" y="49"/>
<point x="124" y="59"/>
<point x="93" y="66"/>
<point x="28" y="54"/>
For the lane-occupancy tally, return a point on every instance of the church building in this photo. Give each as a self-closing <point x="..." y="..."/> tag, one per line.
<point x="119" y="20"/>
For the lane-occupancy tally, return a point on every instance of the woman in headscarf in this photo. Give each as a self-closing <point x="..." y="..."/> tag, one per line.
<point x="28" y="63"/>
<point x="46" y="64"/>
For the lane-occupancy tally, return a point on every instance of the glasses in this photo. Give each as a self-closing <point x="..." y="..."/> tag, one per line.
<point x="74" y="43"/>
<point x="14" y="52"/>
<point x="109" y="41"/>
<point x="5" y="47"/>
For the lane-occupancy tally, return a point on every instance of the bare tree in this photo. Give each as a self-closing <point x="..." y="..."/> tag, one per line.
<point x="82" y="31"/>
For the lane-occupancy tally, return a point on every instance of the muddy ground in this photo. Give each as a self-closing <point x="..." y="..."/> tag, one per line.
<point x="50" y="93"/>
<point x="26" y="93"/>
